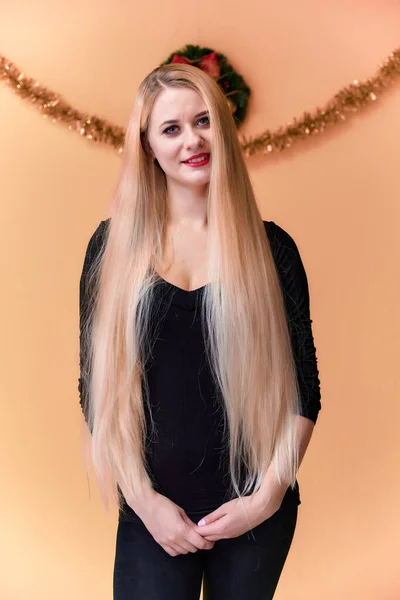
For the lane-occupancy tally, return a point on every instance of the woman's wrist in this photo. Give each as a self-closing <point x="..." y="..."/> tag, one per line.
<point x="269" y="501"/>
<point x="143" y="500"/>
<point x="271" y="493"/>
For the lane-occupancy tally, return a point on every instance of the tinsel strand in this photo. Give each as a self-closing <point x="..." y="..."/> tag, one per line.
<point x="341" y="107"/>
<point x="53" y="106"/>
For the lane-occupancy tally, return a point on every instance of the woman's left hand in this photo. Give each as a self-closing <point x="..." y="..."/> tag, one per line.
<point x="230" y="519"/>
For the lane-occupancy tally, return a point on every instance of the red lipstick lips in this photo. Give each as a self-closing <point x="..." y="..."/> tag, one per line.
<point x="199" y="160"/>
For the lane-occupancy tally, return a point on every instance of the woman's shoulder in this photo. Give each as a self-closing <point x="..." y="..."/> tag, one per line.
<point x="281" y="241"/>
<point x="103" y="225"/>
<point x="95" y="243"/>
<point x="98" y="234"/>
<point x="287" y="258"/>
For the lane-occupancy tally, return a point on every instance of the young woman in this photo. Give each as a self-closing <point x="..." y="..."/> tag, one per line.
<point x="199" y="379"/>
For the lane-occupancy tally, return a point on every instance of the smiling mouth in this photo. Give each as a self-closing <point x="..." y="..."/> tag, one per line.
<point x="201" y="160"/>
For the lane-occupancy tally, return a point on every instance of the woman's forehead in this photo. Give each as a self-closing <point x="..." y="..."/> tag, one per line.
<point x="176" y="103"/>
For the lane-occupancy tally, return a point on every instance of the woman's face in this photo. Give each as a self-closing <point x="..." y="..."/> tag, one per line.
<point x="188" y="134"/>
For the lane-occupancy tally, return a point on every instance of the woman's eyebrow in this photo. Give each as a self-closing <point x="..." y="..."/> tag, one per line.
<point x="204" y="112"/>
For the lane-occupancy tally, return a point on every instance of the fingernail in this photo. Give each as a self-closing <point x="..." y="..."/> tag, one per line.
<point x="201" y="522"/>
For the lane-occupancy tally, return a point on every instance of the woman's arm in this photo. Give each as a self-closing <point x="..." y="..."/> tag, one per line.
<point x="294" y="285"/>
<point x="295" y="291"/>
<point x="271" y="491"/>
<point x="229" y="520"/>
<point x="85" y="297"/>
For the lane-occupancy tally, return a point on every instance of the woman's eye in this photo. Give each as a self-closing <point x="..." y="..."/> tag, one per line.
<point x="170" y="127"/>
<point x="167" y="130"/>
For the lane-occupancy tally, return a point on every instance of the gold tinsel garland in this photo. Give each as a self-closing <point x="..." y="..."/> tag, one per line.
<point x="348" y="101"/>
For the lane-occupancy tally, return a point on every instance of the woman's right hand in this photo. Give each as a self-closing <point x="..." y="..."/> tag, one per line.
<point x="171" y="527"/>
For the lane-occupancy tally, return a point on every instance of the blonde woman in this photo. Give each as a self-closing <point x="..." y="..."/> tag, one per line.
<point x="199" y="379"/>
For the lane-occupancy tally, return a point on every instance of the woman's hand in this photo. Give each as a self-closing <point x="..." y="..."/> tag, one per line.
<point x="230" y="519"/>
<point x="171" y="527"/>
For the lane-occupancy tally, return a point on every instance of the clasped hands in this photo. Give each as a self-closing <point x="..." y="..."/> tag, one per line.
<point x="230" y="519"/>
<point x="176" y="533"/>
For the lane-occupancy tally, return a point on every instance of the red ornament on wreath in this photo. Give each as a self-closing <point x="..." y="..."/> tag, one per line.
<point x="209" y="63"/>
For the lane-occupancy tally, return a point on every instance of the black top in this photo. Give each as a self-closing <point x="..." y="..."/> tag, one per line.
<point x="187" y="459"/>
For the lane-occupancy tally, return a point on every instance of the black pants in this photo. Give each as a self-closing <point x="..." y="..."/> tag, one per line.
<point x="241" y="568"/>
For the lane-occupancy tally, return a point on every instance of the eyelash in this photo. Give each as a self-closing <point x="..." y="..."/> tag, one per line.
<point x="171" y="126"/>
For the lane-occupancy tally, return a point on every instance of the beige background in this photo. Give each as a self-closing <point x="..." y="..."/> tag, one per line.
<point x="338" y="197"/>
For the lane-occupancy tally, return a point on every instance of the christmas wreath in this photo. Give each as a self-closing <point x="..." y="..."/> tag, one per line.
<point x="217" y="66"/>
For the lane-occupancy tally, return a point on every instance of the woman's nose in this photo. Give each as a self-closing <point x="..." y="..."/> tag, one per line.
<point x="191" y="138"/>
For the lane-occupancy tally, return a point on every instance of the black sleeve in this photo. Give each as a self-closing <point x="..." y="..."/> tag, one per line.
<point x="85" y="293"/>
<point x="294" y="285"/>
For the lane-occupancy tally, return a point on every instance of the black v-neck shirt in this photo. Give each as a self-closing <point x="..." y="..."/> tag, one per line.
<point x="187" y="457"/>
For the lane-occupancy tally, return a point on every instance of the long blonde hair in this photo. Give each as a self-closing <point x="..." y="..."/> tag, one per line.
<point x="244" y="323"/>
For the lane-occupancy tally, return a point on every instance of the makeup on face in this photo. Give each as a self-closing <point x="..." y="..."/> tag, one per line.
<point x="181" y="134"/>
<point x="198" y="160"/>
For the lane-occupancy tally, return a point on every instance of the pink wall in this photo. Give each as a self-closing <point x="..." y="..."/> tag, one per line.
<point x="338" y="198"/>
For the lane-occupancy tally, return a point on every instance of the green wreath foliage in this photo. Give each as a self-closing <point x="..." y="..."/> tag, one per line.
<point x="232" y="84"/>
